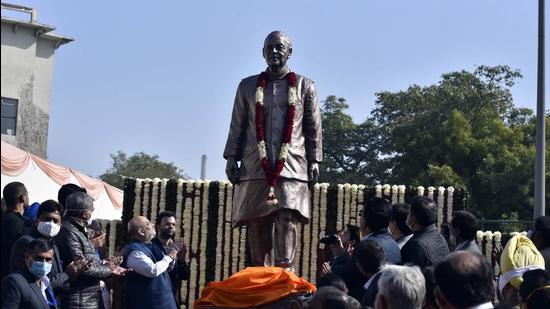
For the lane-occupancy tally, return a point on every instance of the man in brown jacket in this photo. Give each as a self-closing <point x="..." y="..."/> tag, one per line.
<point x="276" y="135"/>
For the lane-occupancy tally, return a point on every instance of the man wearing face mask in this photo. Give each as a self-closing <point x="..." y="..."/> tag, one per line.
<point x="276" y="135"/>
<point x="30" y="287"/>
<point x="47" y="225"/>
<point x="74" y="244"/>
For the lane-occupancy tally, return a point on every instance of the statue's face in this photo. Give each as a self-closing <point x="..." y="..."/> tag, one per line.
<point x="276" y="51"/>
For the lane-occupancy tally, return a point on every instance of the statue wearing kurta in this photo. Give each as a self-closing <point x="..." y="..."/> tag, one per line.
<point x="273" y="226"/>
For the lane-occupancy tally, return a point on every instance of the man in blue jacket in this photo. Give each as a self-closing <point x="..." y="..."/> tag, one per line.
<point x="148" y="286"/>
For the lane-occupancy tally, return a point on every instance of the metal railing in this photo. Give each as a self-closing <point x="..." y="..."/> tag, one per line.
<point x="19" y="8"/>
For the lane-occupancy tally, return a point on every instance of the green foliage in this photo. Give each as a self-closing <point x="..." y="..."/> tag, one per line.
<point x="139" y="165"/>
<point x="462" y="131"/>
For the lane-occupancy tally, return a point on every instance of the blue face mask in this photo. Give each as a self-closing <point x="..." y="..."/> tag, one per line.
<point x="40" y="269"/>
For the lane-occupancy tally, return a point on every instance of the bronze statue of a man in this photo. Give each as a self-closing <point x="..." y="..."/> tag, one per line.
<point x="276" y="135"/>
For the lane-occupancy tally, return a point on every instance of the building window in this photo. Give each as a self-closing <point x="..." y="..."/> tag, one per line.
<point x="9" y="116"/>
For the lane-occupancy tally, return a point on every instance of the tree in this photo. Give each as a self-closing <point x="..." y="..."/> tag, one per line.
<point x="139" y="165"/>
<point x="349" y="149"/>
<point x="463" y="131"/>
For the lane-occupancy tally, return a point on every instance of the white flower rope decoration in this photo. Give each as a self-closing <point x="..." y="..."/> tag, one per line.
<point x="137" y="202"/>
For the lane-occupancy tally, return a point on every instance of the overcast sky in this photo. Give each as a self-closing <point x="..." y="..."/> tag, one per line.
<point x="160" y="76"/>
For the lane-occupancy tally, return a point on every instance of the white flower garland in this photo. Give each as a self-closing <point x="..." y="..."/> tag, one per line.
<point x="420" y="191"/>
<point x="323" y="216"/>
<point x="386" y="190"/>
<point x="162" y="203"/>
<point x="146" y="199"/>
<point x="431" y="192"/>
<point x="179" y="201"/>
<point x="394" y="192"/>
<point x="242" y="249"/>
<point x="219" y="231"/>
<point x="347" y="204"/>
<point x="235" y="250"/>
<point x="112" y="237"/>
<point x="315" y="236"/>
<point x="340" y="207"/>
<point x="195" y="242"/>
<point x="401" y="189"/>
<point x="479" y="239"/>
<point x="360" y="196"/>
<point x="488" y="244"/>
<point x="306" y="250"/>
<point x="498" y="237"/>
<point x="205" y="205"/>
<point x="155" y="199"/>
<point x="440" y="205"/>
<point x="298" y="256"/>
<point x="227" y="231"/>
<point x="354" y="208"/>
<point x="137" y="202"/>
<point x="450" y="191"/>
<point x="378" y="191"/>
<point x="186" y="234"/>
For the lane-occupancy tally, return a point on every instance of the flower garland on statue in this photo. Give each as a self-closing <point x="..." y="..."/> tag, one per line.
<point x="273" y="175"/>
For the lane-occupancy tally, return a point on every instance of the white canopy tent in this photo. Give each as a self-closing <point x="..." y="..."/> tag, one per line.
<point x="43" y="180"/>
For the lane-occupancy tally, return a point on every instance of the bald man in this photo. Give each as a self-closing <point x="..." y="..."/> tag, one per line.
<point x="149" y="285"/>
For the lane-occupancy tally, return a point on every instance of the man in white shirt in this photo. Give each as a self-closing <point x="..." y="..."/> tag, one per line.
<point x="149" y="285"/>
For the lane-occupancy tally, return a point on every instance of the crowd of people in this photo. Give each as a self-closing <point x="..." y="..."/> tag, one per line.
<point x="402" y="260"/>
<point x="53" y="257"/>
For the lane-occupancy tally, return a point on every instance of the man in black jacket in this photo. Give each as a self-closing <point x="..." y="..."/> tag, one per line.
<point x="463" y="231"/>
<point x="14" y="225"/>
<point x="166" y="227"/>
<point x="74" y="243"/>
<point x="47" y="225"/>
<point x="427" y="246"/>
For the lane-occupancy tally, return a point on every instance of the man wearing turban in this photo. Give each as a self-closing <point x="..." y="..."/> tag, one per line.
<point x="519" y="256"/>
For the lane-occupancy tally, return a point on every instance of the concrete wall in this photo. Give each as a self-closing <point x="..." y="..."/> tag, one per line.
<point x="27" y="74"/>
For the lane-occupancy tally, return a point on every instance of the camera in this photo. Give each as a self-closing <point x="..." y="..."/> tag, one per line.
<point x="329" y="239"/>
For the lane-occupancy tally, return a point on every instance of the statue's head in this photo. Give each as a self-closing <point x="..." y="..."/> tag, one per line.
<point x="277" y="49"/>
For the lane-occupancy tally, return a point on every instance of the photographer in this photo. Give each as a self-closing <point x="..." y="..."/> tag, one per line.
<point x="342" y="242"/>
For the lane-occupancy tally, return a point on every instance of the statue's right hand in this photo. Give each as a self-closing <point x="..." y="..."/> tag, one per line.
<point x="232" y="170"/>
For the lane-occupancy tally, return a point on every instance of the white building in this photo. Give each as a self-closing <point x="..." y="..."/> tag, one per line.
<point x="28" y="50"/>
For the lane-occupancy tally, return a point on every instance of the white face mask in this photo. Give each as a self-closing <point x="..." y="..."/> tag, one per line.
<point x="48" y="229"/>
